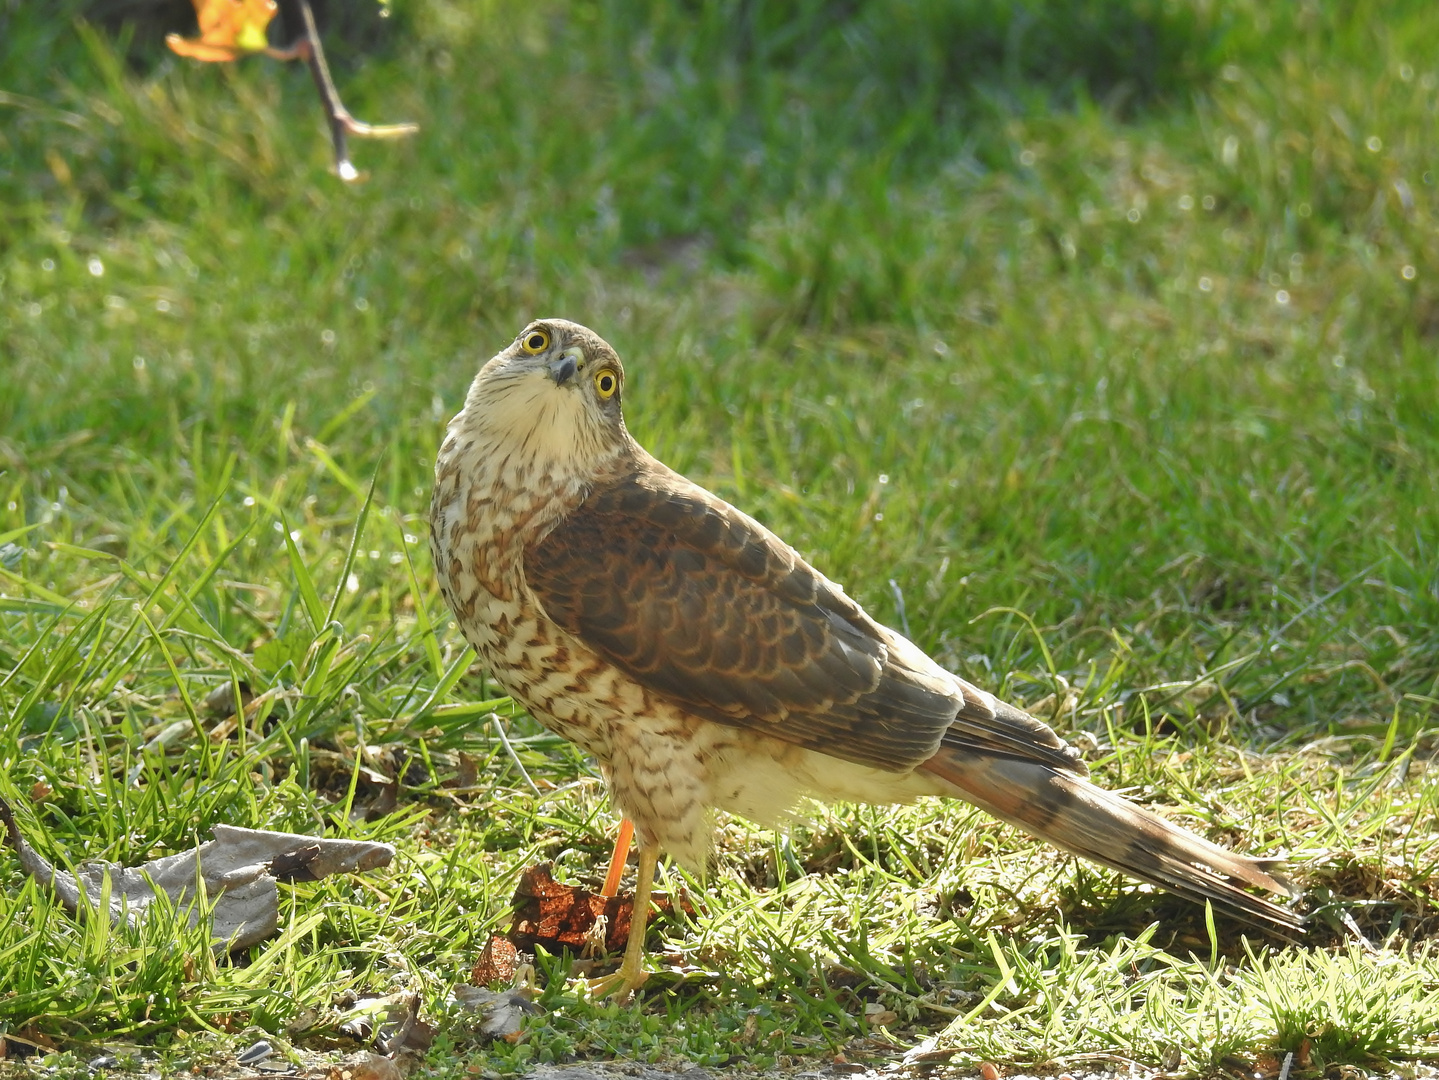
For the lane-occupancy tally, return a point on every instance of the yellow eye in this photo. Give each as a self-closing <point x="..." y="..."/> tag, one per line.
<point x="606" y="382"/>
<point x="535" y="341"/>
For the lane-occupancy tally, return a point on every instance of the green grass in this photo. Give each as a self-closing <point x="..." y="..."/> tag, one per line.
<point x="1095" y="345"/>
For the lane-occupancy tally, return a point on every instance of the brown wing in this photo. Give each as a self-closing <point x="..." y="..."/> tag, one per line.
<point x="700" y="603"/>
<point x="988" y="726"/>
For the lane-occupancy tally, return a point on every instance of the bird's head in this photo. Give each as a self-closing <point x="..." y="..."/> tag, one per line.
<point x="554" y="392"/>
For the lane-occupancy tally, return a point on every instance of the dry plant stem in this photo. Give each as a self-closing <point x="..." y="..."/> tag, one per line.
<point x="341" y="122"/>
<point x="519" y="765"/>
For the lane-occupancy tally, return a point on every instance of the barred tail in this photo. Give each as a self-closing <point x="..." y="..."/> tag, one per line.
<point x="1073" y="814"/>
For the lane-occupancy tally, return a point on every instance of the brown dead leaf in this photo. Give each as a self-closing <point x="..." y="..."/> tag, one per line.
<point x="365" y="1065"/>
<point x="572" y="917"/>
<point x="229" y="30"/>
<point x="467" y="775"/>
<point x="498" y="962"/>
<point x="24" y="1043"/>
<point x="560" y="916"/>
<point x="877" y="1016"/>
<point x="409" y="1033"/>
<point x="375" y="1067"/>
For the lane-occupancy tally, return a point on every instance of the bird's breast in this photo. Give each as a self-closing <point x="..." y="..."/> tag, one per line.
<point x="487" y="507"/>
<point x="488" y="504"/>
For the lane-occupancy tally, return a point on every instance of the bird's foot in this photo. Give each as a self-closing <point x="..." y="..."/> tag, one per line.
<point x="632" y="974"/>
<point x="622" y="983"/>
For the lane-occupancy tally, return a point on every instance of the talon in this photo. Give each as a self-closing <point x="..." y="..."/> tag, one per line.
<point x="621" y="984"/>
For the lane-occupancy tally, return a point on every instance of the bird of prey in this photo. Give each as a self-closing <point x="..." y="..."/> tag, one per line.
<point x="706" y="665"/>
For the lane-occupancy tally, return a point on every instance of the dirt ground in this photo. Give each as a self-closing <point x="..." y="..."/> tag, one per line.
<point x="308" y="1065"/>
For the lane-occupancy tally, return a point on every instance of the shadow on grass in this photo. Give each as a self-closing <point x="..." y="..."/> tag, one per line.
<point x="903" y="53"/>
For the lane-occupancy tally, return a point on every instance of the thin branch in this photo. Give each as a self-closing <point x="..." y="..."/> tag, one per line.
<point x="342" y="123"/>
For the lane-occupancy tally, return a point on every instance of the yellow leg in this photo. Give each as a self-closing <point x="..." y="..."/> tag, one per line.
<point x="632" y="973"/>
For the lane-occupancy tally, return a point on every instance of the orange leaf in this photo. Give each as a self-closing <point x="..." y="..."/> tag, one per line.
<point x="229" y="29"/>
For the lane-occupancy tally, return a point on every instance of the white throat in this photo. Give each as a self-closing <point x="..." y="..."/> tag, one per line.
<point x="517" y="430"/>
<point x="531" y="420"/>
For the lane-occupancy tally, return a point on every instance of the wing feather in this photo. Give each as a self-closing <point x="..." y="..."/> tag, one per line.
<point x="698" y="602"/>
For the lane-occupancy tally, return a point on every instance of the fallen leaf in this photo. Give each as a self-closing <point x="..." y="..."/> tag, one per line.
<point x="237" y="871"/>
<point x="558" y="916"/>
<point x="376" y="791"/>
<point x="928" y="1053"/>
<point x="751" y="1027"/>
<point x="24" y="1043"/>
<point x="375" y="1067"/>
<point x="229" y="30"/>
<point x="467" y="775"/>
<point x="390" y="1022"/>
<point x="498" y="962"/>
<point x="502" y="1013"/>
<point x="409" y="1033"/>
<point x="365" y="1065"/>
<point x="877" y="1016"/>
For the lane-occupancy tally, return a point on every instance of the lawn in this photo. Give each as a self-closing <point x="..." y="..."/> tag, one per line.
<point x="1096" y="346"/>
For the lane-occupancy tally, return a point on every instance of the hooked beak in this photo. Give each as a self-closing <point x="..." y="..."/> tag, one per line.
<point x="563" y="369"/>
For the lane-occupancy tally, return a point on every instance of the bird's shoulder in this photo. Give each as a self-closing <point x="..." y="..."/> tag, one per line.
<point x="643" y="509"/>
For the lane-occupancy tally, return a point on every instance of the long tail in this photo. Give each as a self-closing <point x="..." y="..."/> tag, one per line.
<point x="1068" y="811"/>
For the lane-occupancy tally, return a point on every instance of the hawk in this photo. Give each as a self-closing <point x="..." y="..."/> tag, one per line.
<point x="705" y="665"/>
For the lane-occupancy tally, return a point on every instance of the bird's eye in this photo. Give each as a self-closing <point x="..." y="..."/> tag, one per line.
<point x="536" y="341"/>
<point x="606" y="382"/>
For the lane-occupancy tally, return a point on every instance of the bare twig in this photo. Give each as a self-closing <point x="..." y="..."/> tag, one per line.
<point x="341" y="122"/>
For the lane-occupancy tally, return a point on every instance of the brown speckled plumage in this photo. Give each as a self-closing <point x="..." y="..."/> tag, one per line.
<point x="705" y="665"/>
